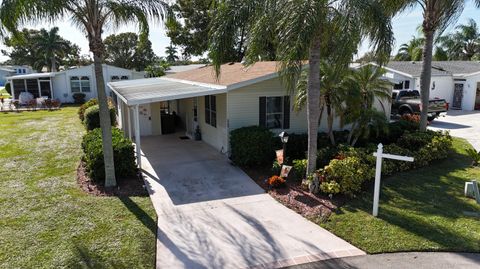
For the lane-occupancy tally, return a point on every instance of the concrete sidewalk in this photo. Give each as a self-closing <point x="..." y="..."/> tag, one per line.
<point x="411" y="260"/>
<point x="212" y="215"/>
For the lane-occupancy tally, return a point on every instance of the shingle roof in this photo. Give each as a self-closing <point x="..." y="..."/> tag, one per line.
<point x="439" y="68"/>
<point x="230" y="74"/>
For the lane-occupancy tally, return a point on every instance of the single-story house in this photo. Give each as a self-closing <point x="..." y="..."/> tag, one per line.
<point x="11" y="70"/>
<point x="62" y="85"/>
<point x="458" y="82"/>
<point x="241" y="96"/>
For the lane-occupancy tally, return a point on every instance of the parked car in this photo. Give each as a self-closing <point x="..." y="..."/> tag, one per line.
<point x="409" y="102"/>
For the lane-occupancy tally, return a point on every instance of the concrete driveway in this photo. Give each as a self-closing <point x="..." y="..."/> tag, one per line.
<point x="212" y="215"/>
<point x="464" y="124"/>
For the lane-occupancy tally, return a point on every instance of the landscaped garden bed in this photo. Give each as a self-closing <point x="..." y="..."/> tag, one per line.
<point x="425" y="193"/>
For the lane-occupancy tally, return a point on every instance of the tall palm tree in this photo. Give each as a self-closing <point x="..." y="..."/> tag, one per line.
<point x="92" y="17"/>
<point x="297" y="29"/>
<point x="51" y="45"/>
<point x="437" y="16"/>
<point x="464" y="43"/>
<point x="411" y="51"/>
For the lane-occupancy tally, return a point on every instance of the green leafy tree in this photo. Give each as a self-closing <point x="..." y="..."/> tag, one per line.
<point x="190" y="26"/>
<point x="128" y="50"/>
<point x="91" y="16"/>
<point x="51" y="46"/>
<point x="437" y="16"/>
<point x="158" y="68"/>
<point x="297" y="30"/>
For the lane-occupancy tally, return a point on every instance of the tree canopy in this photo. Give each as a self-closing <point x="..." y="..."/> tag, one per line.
<point x="42" y="48"/>
<point x="128" y="50"/>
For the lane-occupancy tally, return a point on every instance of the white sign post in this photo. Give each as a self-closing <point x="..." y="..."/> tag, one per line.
<point x="378" y="173"/>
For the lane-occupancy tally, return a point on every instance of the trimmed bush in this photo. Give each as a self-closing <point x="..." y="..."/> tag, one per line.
<point x="252" y="146"/>
<point x="391" y="167"/>
<point x="123" y="154"/>
<point x="85" y="106"/>
<point x="417" y="140"/>
<point x="92" y="117"/>
<point x="350" y="173"/>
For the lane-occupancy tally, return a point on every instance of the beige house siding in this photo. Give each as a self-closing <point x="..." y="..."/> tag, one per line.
<point x="243" y="109"/>
<point x="214" y="136"/>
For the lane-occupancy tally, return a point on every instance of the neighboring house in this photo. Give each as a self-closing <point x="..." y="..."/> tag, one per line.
<point x="458" y="82"/>
<point x="11" y="70"/>
<point x="242" y="96"/>
<point x="62" y="85"/>
<point x="182" y="68"/>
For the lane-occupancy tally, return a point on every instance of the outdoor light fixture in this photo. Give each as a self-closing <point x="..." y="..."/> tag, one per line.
<point x="284" y="137"/>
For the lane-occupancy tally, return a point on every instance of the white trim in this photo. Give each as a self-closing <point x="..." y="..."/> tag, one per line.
<point x="137" y="138"/>
<point x="388" y="68"/>
<point x="468" y="75"/>
<point x="194" y="83"/>
<point x="252" y="81"/>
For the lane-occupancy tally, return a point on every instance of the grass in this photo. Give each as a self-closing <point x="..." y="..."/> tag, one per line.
<point x="4" y="93"/>
<point x="420" y="210"/>
<point x="46" y="220"/>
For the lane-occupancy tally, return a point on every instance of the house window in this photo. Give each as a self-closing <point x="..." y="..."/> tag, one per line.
<point x="275" y="112"/>
<point x="80" y="84"/>
<point x="114" y="78"/>
<point x="211" y="110"/>
<point x="398" y="86"/>
<point x="124" y="78"/>
<point x="407" y="84"/>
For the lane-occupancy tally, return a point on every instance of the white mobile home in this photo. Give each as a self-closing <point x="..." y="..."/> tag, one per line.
<point x="62" y="85"/>
<point x="458" y="82"/>
<point x="242" y="96"/>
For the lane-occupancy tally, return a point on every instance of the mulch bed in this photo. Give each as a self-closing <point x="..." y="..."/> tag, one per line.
<point x="295" y="197"/>
<point x="133" y="186"/>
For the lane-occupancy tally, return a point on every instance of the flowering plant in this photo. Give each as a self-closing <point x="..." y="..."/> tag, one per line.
<point x="276" y="181"/>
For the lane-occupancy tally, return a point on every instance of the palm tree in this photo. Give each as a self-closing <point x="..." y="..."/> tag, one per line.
<point x="51" y="45"/>
<point x="298" y="31"/>
<point x="171" y="52"/>
<point x="368" y="84"/>
<point x="464" y="43"/>
<point x="91" y="16"/>
<point x="411" y="51"/>
<point x="437" y="16"/>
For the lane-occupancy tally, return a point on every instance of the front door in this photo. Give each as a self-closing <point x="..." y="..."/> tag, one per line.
<point x="457" y="96"/>
<point x="45" y="89"/>
<point x="145" y="119"/>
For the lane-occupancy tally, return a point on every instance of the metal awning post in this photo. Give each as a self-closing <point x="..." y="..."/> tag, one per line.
<point x="137" y="138"/>
<point x="129" y="122"/>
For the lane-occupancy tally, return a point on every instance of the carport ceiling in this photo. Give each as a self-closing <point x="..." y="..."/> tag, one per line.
<point x="150" y="90"/>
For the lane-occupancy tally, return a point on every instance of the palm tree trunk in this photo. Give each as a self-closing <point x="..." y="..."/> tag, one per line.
<point x="105" y="123"/>
<point x="425" y="77"/>
<point x="313" y="103"/>
<point x="54" y="64"/>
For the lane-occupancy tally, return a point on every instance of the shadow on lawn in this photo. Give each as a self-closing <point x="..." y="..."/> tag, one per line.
<point x="86" y="259"/>
<point x="141" y="215"/>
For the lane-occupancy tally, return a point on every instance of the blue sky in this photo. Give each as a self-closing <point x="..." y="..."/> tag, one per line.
<point x="404" y="26"/>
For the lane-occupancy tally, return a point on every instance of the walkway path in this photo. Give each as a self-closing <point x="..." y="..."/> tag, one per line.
<point x="212" y="215"/>
<point x="464" y="124"/>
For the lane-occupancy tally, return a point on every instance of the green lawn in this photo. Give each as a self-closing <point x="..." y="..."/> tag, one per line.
<point x="4" y="93"/>
<point x="419" y="210"/>
<point x="46" y="221"/>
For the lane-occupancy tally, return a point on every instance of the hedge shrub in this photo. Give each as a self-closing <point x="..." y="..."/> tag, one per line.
<point x="350" y="173"/>
<point x="252" y="146"/>
<point x="85" y="106"/>
<point x="92" y="117"/>
<point x="123" y="153"/>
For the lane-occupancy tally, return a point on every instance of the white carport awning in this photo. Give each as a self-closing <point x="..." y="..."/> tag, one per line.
<point x="150" y="90"/>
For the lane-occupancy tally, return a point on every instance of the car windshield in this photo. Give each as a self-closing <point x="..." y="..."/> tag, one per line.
<point x="409" y="94"/>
